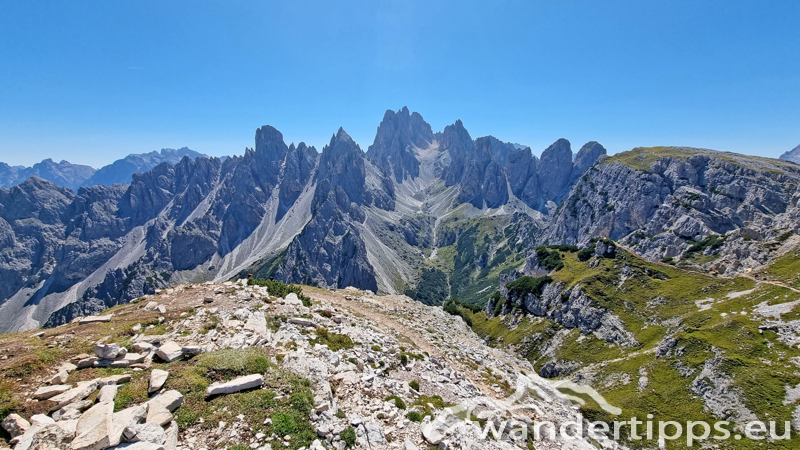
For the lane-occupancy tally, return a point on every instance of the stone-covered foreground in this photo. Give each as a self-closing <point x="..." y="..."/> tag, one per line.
<point x="231" y="366"/>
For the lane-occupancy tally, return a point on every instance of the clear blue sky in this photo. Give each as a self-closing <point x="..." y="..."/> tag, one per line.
<point x="91" y="81"/>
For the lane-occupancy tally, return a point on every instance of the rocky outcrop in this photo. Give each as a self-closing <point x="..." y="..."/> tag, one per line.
<point x="555" y="170"/>
<point x="571" y="308"/>
<point x="663" y="208"/>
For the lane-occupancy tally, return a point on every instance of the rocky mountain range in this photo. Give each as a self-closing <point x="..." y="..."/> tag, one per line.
<point x="64" y="173"/>
<point x="73" y="176"/>
<point x="431" y="214"/>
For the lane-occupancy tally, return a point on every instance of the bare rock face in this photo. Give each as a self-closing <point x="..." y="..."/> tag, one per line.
<point x="664" y="207"/>
<point x="399" y="134"/>
<point x="555" y="169"/>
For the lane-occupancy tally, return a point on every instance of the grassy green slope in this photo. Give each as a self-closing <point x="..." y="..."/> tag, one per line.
<point x="470" y="268"/>
<point x="706" y="316"/>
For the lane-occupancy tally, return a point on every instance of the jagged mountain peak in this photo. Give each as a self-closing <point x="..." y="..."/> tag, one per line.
<point x="393" y="148"/>
<point x="587" y="155"/>
<point x="270" y="140"/>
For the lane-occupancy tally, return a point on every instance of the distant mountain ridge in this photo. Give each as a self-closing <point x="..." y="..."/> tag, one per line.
<point x="432" y="214"/>
<point x="62" y="173"/>
<point x="73" y="176"/>
<point x="121" y="170"/>
<point x="792" y="155"/>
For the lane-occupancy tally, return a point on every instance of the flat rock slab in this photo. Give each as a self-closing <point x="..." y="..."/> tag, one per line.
<point x="302" y="322"/>
<point x="192" y="350"/>
<point x="142" y="347"/>
<point x="115" y="379"/>
<point x="157" y="379"/>
<point x="45" y="392"/>
<point x="59" y="378"/>
<point x="94" y="428"/>
<point x="169" y="351"/>
<point x="135" y="358"/>
<point x="79" y="392"/>
<point x="160" y="407"/>
<point x="93" y="319"/>
<point x="141" y="446"/>
<point x="236" y="385"/>
<point x="87" y="362"/>
<point x="107" y="393"/>
<point x="125" y="418"/>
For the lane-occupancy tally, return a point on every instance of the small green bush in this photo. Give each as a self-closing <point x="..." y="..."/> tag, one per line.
<point x="281" y="289"/>
<point x="231" y="363"/>
<point x="398" y="402"/>
<point x="523" y="286"/>
<point x="283" y="424"/>
<point x="414" y="416"/>
<point x="334" y="341"/>
<point x="348" y="436"/>
<point x="587" y="253"/>
<point x="549" y="259"/>
<point x="414" y="385"/>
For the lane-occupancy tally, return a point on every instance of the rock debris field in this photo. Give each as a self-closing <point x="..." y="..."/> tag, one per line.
<point x="231" y="366"/>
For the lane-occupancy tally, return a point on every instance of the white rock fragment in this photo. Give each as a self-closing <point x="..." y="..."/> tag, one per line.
<point x="46" y="392"/>
<point x="236" y="385"/>
<point x="93" y="319"/>
<point x="157" y="379"/>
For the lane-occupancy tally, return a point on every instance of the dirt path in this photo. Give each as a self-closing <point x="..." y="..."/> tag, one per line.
<point x="774" y="283"/>
<point x="381" y="318"/>
<point x="377" y="317"/>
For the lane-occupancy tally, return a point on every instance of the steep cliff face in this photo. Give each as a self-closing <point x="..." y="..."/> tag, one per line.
<point x="330" y="251"/>
<point x="682" y="204"/>
<point x="399" y="134"/>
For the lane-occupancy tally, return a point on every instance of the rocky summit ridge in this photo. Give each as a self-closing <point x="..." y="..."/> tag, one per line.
<point x="431" y="214"/>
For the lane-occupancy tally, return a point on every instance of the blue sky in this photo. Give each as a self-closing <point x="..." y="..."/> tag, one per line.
<point x="92" y="81"/>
